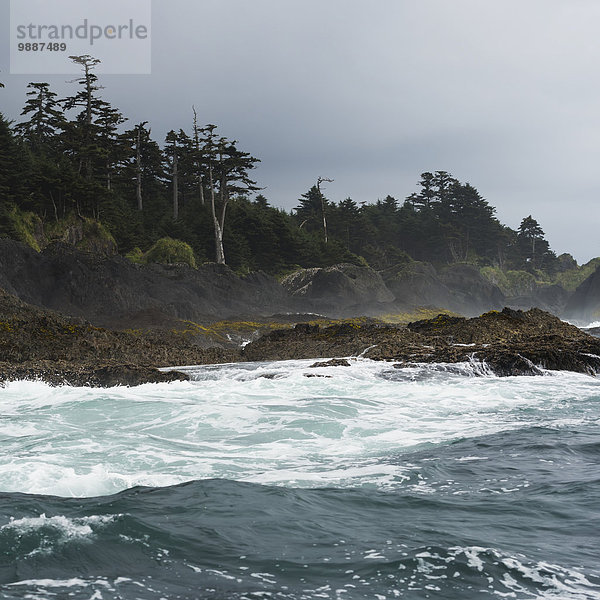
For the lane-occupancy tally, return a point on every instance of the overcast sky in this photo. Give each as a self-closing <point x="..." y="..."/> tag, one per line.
<point x="504" y="94"/>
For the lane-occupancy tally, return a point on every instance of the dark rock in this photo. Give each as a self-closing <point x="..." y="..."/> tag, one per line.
<point x="471" y="292"/>
<point x="334" y="362"/>
<point x="340" y="287"/>
<point x="41" y="344"/>
<point x="417" y="284"/>
<point x="493" y="327"/>
<point x="61" y="373"/>
<point x="584" y="304"/>
<point x="322" y="342"/>
<point x="109" y="291"/>
<point x="510" y="342"/>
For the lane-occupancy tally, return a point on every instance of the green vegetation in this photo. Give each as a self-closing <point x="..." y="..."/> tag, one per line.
<point x="512" y="283"/>
<point x="419" y="314"/>
<point x="136" y="256"/>
<point x="168" y="251"/>
<point x="86" y="234"/>
<point x="24" y="226"/>
<point x="574" y="277"/>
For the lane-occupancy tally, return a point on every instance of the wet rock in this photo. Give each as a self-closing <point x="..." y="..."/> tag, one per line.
<point x="64" y="373"/>
<point x="42" y="344"/>
<point x="312" y="341"/>
<point x="334" y="362"/>
<point x="510" y="342"/>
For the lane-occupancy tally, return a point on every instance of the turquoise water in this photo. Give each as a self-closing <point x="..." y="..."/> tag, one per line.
<point x="255" y="481"/>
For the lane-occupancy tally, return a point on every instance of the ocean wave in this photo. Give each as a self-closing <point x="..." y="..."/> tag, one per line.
<point x="222" y="539"/>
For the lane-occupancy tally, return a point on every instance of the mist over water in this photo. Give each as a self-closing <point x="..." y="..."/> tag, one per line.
<point x="258" y="481"/>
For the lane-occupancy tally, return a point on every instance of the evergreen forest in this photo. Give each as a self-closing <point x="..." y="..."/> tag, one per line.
<point x="192" y="197"/>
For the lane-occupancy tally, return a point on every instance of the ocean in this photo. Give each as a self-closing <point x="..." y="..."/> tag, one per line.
<point x="277" y="480"/>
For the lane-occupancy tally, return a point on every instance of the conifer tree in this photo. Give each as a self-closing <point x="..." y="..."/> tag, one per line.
<point x="45" y="120"/>
<point x="13" y="166"/>
<point x="82" y="132"/>
<point x="227" y="169"/>
<point x="309" y="211"/>
<point x="531" y="238"/>
<point x="109" y="150"/>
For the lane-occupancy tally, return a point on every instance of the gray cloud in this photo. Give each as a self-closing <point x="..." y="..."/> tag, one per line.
<point x="502" y="93"/>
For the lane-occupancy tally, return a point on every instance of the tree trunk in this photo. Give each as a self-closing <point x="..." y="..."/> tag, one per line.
<point x="138" y="164"/>
<point x="175" y="187"/>
<point x="220" y="254"/>
<point x="321" y="180"/>
<point x="88" y="122"/>
<point x="197" y="149"/>
<point x="324" y="219"/>
<point x="54" y="206"/>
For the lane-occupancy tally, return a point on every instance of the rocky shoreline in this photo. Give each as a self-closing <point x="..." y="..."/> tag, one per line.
<point x="38" y="344"/>
<point x="510" y="342"/>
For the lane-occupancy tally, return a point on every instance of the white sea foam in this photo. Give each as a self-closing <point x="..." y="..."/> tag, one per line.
<point x="267" y="423"/>
<point x="557" y="582"/>
<point x="58" y="530"/>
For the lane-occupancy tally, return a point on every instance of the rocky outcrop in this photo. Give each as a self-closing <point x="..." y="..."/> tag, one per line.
<point x="85" y="375"/>
<point x="471" y="292"/>
<point x="41" y="344"/>
<point x="551" y="298"/>
<point x="110" y="291"/>
<point x="584" y="304"/>
<point x="339" y="289"/>
<point x="508" y="343"/>
<point x="417" y="284"/>
<point x="460" y="288"/>
<point x="343" y="290"/>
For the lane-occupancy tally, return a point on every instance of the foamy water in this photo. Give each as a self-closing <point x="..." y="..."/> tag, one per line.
<point x="267" y="423"/>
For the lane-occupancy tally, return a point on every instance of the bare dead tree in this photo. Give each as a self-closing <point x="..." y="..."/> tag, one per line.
<point x="138" y="164"/>
<point x="175" y="183"/>
<point x="198" y="155"/>
<point x="321" y="180"/>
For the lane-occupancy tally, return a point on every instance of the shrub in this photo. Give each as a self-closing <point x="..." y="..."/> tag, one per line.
<point x="136" y="256"/>
<point x="25" y="227"/>
<point x="511" y="283"/>
<point x="573" y="278"/>
<point x="168" y="251"/>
